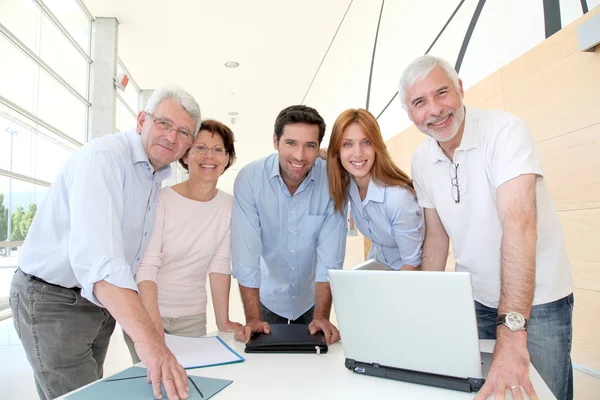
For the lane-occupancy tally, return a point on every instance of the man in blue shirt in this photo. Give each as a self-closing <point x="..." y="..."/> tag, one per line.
<point x="285" y="233"/>
<point x="77" y="265"/>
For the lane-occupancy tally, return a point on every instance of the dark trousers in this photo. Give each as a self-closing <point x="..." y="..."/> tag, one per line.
<point x="64" y="335"/>
<point x="272" y="318"/>
<point x="549" y="338"/>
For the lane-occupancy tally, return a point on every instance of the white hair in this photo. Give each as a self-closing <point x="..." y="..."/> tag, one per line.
<point x="419" y="69"/>
<point x="185" y="99"/>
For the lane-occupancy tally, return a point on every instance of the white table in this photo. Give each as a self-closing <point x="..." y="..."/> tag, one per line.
<point x="311" y="376"/>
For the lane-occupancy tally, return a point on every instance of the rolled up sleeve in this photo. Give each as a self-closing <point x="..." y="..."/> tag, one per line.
<point x="96" y="211"/>
<point x="331" y="243"/>
<point x="246" y="243"/>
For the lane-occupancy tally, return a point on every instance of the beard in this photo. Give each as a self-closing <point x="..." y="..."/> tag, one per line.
<point x="458" y="116"/>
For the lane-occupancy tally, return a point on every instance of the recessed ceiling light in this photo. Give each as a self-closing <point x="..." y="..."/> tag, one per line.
<point x="232" y="64"/>
<point x="233" y="113"/>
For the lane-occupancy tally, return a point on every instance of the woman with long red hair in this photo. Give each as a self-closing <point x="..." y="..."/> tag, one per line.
<point x="381" y="195"/>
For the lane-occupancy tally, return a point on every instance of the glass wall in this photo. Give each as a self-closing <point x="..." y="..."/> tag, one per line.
<point x="44" y="100"/>
<point x="128" y="102"/>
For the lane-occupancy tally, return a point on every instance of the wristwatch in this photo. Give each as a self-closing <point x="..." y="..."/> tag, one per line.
<point x="513" y="321"/>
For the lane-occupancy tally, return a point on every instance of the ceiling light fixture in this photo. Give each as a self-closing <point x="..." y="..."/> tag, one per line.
<point x="233" y="113"/>
<point x="232" y="64"/>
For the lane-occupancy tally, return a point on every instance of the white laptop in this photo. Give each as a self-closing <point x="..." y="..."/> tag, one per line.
<point x="414" y="326"/>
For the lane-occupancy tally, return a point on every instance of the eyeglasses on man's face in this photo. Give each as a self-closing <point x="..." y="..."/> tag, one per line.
<point x="165" y="126"/>
<point x="454" y="181"/>
<point x="218" y="151"/>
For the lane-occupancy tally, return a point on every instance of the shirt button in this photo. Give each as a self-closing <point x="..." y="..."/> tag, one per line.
<point x="293" y="284"/>
<point x="291" y="212"/>
<point x="138" y="259"/>
<point x="292" y="231"/>
<point x="293" y="297"/>
<point x="149" y="208"/>
<point x="145" y="233"/>
<point x="292" y="250"/>
<point x="293" y="269"/>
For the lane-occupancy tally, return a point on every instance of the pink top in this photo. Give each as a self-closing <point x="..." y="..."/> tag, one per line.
<point x="190" y="239"/>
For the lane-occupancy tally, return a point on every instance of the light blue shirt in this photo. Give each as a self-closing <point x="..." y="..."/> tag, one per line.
<point x="391" y="218"/>
<point x="96" y="220"/>
<point x="281" y="243"/>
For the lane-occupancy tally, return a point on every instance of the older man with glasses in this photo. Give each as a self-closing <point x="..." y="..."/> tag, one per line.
<point x="497" y="211"/>
<point x="77" y="265"/>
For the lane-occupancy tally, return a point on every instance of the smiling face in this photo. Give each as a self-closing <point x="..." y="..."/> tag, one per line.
<point x="298" y="149"/>
<point x="357" y="153"/>
<point x="435" y="106"/>
<point x="207" y="157"/>
<point x="163" y="146"/>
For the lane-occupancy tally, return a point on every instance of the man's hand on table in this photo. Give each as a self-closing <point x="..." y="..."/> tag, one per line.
<point x="163" y="368"/>
<point x="243" y="333"/>
<point x="510" y="368"/>
<point x="319" y="324"/>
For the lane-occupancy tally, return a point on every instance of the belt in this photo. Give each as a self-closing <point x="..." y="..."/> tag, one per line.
<point x="38" y="279"/>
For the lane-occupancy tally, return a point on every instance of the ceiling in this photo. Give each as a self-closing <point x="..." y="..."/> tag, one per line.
<point x="288" y="54"/>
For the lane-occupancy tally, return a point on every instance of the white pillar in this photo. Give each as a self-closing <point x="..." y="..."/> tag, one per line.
<point x="102" y="73"/>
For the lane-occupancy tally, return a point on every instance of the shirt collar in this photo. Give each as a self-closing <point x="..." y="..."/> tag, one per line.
<point x="135" y="147"/>
<point x="138" y="155"/>
<point x="470" y="138"/>
<point x="375" y="192"/>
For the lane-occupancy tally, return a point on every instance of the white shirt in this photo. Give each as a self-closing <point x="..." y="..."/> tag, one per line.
<point x="96" y="220"/>
<point x="495" y="148"/>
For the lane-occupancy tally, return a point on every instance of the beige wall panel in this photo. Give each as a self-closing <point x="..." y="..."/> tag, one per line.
<point x="484" y="89"/>
<point x="402" y="146"/>
<point x="495" y="102"/>
<point x="450" y="262"/>
<point x="586" y="329"/>
<point x="545" y="54"/>
<point x="586" y="276"/>
<point x="562" y="98"/>
<point x="354" y="250"/>
<point x="581" y="230"/>
<point x="570" y="165"/>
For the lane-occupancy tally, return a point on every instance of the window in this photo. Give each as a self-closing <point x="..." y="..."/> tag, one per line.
<point x="128" y="103"/>
<point x="21" y="18"/>
<point x="74" y="19"/>
<point x="58" y="52"/>
<point x="124" y="118"/>
<point x="131" y="95"/>
<point x="60" y="108"/>
<point x="44" y="80"/>
<point x="18" y="75"/>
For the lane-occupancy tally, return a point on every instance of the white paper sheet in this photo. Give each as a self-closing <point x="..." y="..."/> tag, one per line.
<point x="201" y="352"/>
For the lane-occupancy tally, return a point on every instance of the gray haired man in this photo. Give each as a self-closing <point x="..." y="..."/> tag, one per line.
<point x="480" y="180"/>
<point x="77" y="265"/>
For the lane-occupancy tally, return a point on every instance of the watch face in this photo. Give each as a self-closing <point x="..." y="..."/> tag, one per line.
<point x="515" y="320"/>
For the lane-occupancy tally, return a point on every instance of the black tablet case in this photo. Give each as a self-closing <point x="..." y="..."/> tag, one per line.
<point x="287" y="338"/>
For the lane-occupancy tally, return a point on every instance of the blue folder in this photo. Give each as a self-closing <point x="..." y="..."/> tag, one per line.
<point x="131" y="385"/>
